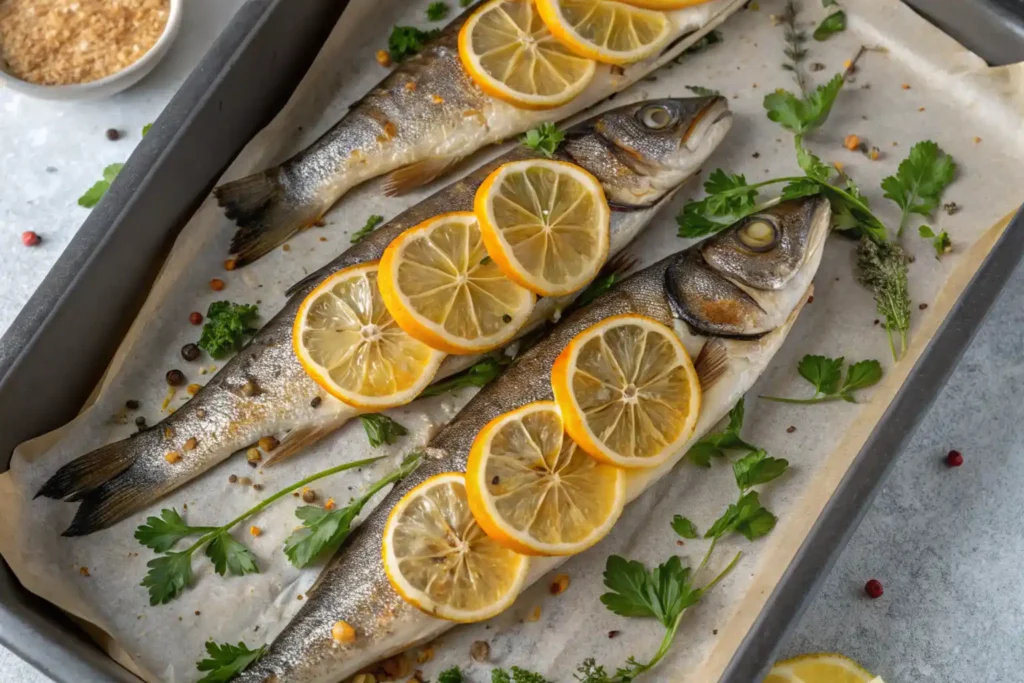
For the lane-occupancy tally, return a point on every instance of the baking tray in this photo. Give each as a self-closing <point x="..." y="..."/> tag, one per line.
<point x="237" y="88"/>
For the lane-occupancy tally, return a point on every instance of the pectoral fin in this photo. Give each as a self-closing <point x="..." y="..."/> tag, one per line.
<point x="413" y="176"/>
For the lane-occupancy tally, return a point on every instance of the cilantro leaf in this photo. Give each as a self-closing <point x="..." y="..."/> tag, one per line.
<point x="161" y="533"/>
<point x="406" y="41"/>
<point x="227" y="325"/>
<point x="381" y="429"/>
<point x="940" y="242"/>
<point x="823" y="373"/>
<point x="702" y="91"/>
<point x="803" y="115"/>
<point x="715" y="444"/>
<point x="830" y="25"/>
<point x="436" y="11"/>
<point x="684" y="527"/>
<point x="545" y="139"/>
<point x="168" y="576"/>
<point x="371" y="224"/>
<point x="757" y="468"/>
<point x="477" y="375"/>
<point x="94" y="194"/>
<point x="230" y="555"/>
<point x="226" y="661"/>
<point x="450" y="675"/>
<point x="920" y="180"/>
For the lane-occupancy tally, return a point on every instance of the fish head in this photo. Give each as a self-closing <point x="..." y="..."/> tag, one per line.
<point x="747" y="280"/>
<point x="643" y="151"/>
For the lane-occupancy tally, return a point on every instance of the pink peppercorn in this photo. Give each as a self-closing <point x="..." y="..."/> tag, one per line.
<point x="954" y="459"/>
<point x="30" y="238"/>
<point x="873" y="588"/>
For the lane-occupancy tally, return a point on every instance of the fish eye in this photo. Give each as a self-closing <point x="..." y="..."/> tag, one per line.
<point x="656" y="116"/>
<point x="759" y="234"/>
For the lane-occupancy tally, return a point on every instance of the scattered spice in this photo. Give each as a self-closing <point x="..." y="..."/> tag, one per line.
<point x="245" y="481"/>
<point x="480" y="651"/>
<point x="131" y="404"/>
<point x="384" y="59"/>
<point x="84" y="571"/>
<point x="790" y="429"/>
<point x="193" y="388"/>
<point x="286" y="247"/>
<point x="852" y="143"/>
<point x="140" y="422"/>
<point x="308" y="495"/>
<point x="61" y="42"/>
<point x="873" y="588"/>
<point x="190" y="352"/>
<point x="249" y="389"/>
<point x="172" y="457"/>
<point x="396" y="667"/>
<point x="817" y="66"/>
<point x="232" y="478"/>
<point x="113" y="134"/>
<point x="257" y="487"/>
<point x="921" y="307"/>
<point x="191" y="443"/>
<point x="559" y="585"/>
<point x="175" y="378"/>
<point x="255" y="531"/>
<point x="950" y="208"/>
<point x="197" y="613"/>
<point x="195" y="317"/>
<point x="810" y="299"/>
<point x="613" y="634"/>
<point x="954" y="459"/>
<point x="268" y="443"/>
<point x="976" y="139"/>
<point x="875" y="154"/>
<point x="905" y="86"/>
<point x="534" y="614"/>
<point x="30" y="238"/>
<point x="329" y="505"/>
<point x="216" y="284"/>
<point x="425" y="654"/>
<point x="253" y="456"/>
<point x="315" y="403"/>
<point x="342" y="631"/>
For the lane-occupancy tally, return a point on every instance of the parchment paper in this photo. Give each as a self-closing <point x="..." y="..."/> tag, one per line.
<point x="972" y="111"/>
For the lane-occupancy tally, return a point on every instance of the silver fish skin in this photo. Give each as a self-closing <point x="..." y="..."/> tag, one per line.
<point x="264" y="390"/>
<point x="416" y="124"/>
<point x="756" y="292"/>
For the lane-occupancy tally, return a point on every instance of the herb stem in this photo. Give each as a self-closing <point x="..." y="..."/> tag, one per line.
<point x="803" y="401"/>
<point x="707" y="555"/>
<point x="722" y="574"/>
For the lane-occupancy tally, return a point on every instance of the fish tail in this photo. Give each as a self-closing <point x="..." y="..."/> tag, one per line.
<point x="266" y="214"/>
<point x="89" y="471"/>
<point x="110" y="502"/>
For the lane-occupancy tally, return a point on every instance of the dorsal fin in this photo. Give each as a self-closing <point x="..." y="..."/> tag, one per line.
<point x="711" y="362"/>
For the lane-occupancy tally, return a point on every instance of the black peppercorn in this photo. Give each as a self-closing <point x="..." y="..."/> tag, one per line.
<point x="175" y="378"/>
<point x="190" y="352"/>
<point x="113" y="134"/>
<point x="131" y="404"/>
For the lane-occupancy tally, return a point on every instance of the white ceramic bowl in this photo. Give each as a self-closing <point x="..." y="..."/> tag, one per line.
<point x="114" y="83"/>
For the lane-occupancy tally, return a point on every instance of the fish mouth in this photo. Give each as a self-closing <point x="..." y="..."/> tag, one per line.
<point x="714" y="113"/>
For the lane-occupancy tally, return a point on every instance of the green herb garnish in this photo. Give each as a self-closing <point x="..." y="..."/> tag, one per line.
<point x="323" y="531"/>
<point x="826" y="376"/>
<point x="712" y="37"/>
<point x="95" y="193"/>
<point x="381" y="429"/>
<point x="702" y="91"/>
<point x="227" y="661"/>
<point x="226" y="328"/>
<point x="684" y="527"/>
<point x="452" y="674"/>
<point x="940" y="242"/>
<point x="715" y="444"/>
<point x="795" y="51"/>
<point x="545" y="139"/>
<point x="477" y="375"/>
<point x="145" y="129"/>
<point x="516" y="675"/>
<point x="830" y="25"/>
<point x="371" y="224"/>
<point x="170" y="574"/>
<point x="436" y="11"/>
<point x="882" y="268"/>
<point x="406" y="41"/>
<point x="919" y="181"/>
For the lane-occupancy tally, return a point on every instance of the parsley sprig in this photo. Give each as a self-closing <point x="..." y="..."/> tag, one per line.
<point x="717" y="443"/>
<point x="826" y="376"/>
<point x="381" y="430"/>
<point x="226" y="661"/>
<point x="940" y="242"/>
<point x="227" y="326"/>
<point x="545" y="139"/>
<point x="170" y="574"/>
<point x="406" y="41"/>
<point x="919" y="181"/>
<point x="436" y="11"/>
<point x="324" y="531"/>
<point x="94" y="194"/>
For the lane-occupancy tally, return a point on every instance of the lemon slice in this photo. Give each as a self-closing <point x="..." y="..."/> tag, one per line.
<point x="665" y="5"/>
<point x="820" y="668"/>
<point x="350" y="345"/>
<point x="442" y="288"/>
<point x="605" y="30"/>
<point x="628" y="392"/>
<point x="545" y="223"/>
<point x="440" y="561"/>
<point x="510" y="54"/>
<point x="534" y="491"/>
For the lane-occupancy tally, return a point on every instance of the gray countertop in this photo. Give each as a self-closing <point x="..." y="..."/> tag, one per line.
<point x="945" y="543"/>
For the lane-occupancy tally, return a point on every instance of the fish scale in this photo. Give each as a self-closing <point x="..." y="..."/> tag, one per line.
<point x="354" y="586"/>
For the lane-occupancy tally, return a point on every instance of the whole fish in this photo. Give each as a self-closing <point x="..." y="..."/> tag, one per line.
<point x="418" y="122"/>
<point x="640" y="152"/>
<point x="732" y="300"/>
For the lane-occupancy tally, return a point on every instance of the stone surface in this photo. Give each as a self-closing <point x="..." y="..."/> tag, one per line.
<point x="944" y="542"/>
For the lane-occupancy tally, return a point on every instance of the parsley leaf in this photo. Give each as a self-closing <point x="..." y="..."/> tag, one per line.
<point x="684" y="527"/>
<point x="830" y="25"/>
<point x="324" y="531"/>
<point x="227" y="325"/>
<point x="436" y="11"/>
<point x="940" y="242"/>
<point x="381" y="429"/>
<point x="729" y="198"/>
<point x="168" y="576"/>
<point x="145" y="129"/>
<point x="635" y="592"/>
<point x="95" y="193"/>
<point x="746" y="516"/>
<point x="406" y="41"/>
<point x="702" y="91"/>
<point x="228" y="555"/>
<point x="825" y="375"/>
<point x="715" y="444"/>
<point x="757" y="468"/>
<point x="371" y="224"/>
<point x="450" y="675"/>
<point x="477" y="375"/>
<point x="227" y="661"/>
<point x="803" y="115"/>
<point x="920" y="180"/>
<point x="517" y="675"/>
<point x="882" y="268"/>
<point x="545" y="139"/>
<point x="163" y="532"/>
